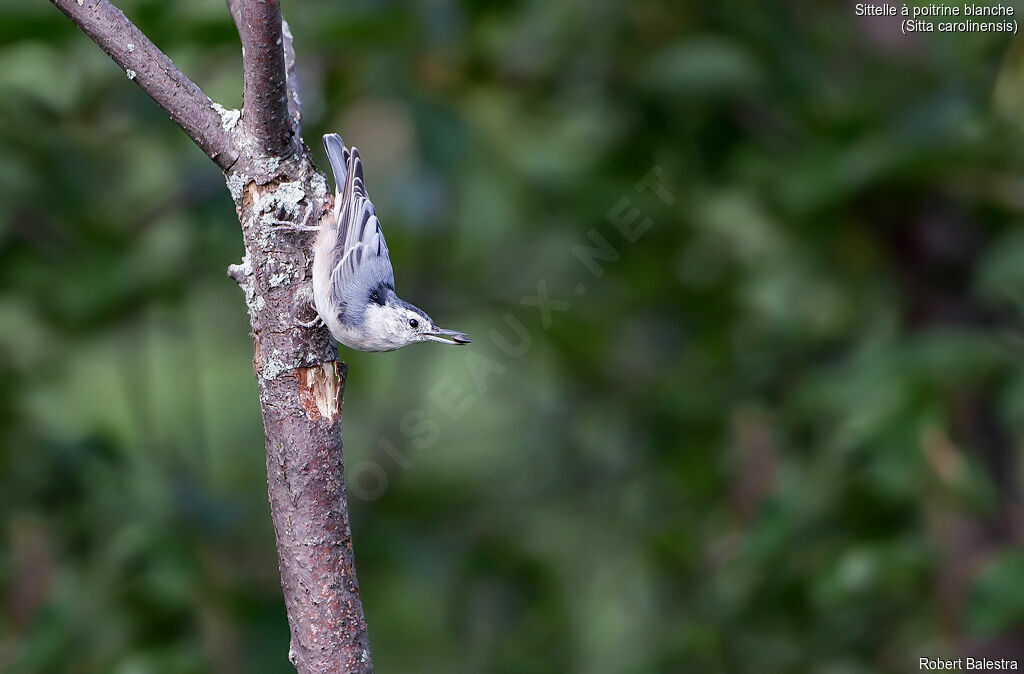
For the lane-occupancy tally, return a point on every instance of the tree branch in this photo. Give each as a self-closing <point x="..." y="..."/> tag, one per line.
<point x="291" y="76"/>
<point x="294" y="96"/>
<point x="265" y="97"/>
<point x="273" y="181"/>
<point x="150" y="68"/>
<point x="235" y="7"/>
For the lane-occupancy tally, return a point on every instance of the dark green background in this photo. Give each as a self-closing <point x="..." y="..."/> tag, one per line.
<point x="781" y="433"/>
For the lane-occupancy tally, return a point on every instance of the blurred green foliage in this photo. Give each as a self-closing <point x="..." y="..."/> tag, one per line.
<point x="780" y="433"/>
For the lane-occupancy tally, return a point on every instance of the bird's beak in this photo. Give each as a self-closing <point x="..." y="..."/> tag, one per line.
<point x="447" y="336"/>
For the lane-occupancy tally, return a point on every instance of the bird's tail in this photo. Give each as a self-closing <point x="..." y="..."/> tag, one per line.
<point x="338" y="155"/>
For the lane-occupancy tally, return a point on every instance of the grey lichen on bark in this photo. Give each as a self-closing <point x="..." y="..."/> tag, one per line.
<point x="274" y="183"/>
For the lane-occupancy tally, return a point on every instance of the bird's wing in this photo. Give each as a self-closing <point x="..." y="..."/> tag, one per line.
<point x="360" y="251"/>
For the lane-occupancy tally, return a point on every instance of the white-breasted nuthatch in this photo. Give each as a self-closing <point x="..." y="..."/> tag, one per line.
<point x="353" y="283"/>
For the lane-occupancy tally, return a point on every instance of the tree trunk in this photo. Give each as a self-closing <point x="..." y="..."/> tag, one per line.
<point x="301" y="386"/>
<point x="278" y="195"/>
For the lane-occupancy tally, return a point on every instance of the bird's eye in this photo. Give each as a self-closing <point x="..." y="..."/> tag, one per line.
<point x="413" y="323"/>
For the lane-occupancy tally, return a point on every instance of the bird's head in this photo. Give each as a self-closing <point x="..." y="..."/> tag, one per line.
<point x="397" y="323"/>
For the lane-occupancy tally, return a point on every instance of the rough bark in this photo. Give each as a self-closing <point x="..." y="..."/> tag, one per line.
<point x="265" y="109"/>
<point x="291" y="76"/>
<point x="274" y="183"/>
<point x="301" y="385"/>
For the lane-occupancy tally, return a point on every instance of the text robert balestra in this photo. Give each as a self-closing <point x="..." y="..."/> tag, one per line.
<point x="975" y="664"/>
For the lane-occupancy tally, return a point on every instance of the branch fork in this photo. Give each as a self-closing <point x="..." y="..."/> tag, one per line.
<point x="271" y="175"/>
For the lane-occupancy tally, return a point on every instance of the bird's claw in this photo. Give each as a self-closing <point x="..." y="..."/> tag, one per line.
<point x="299" y="227"/>
<point x="284" y="224"/>
<point x="304" y="299"/>
<point x="315" y="323"/>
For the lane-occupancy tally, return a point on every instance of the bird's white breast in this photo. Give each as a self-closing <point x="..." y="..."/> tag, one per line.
<point x="374" y="333"/>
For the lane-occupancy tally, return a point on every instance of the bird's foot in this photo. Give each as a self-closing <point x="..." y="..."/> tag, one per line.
<point x="315" y="323"/>
<point x="298" y="226"/>
<point x="303" y="305"/>
<point x="284" y="224"/>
